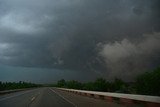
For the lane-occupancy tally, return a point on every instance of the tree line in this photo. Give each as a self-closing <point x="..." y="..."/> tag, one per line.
<point x="145" y="84"/>
<point x="16" y="85"/>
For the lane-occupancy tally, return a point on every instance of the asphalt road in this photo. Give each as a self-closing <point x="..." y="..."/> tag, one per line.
<point x="50" y="97"/>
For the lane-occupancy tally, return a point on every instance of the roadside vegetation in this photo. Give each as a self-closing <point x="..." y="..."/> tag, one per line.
<point x="14" y="85"/>
<point x="145" y="84"/>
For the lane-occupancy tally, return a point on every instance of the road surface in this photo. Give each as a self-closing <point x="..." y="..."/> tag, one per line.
<point x="50" y="97"/>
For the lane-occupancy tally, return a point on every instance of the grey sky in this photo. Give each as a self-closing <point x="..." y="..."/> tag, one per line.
<point x="81" y="35"/>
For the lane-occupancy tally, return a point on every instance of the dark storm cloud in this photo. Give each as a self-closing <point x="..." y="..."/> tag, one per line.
<point x="66" y="34"/>
<point x="127" y="58"/>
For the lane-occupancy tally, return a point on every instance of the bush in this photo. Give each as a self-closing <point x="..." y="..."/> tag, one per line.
<point x="149" y="83"/>
<point x="13" y="85"/>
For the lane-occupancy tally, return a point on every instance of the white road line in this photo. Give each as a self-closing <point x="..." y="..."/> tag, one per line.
<point x="33" y="98"/>
<point x="63" y="98"/>
<point x="2" y="99"/>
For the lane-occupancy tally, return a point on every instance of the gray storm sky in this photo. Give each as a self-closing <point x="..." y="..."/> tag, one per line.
<point x="109" y="38"/>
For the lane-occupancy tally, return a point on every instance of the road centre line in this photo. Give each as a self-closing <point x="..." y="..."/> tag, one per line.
<point x="33" y="98"/>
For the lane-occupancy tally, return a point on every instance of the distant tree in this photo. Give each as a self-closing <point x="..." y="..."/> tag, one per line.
<point x="88" y="86"/>
<point x="149" y="83"/>
<point x="1" y="86"/>
<point x="61" y="83"/>
<point x="14" y="85"/>
<point x="101" y="85"/>
<point x="74" y="84"/>
<point x="119" y="85"/>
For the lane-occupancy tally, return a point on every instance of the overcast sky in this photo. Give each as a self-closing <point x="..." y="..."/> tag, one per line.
<point x="109" y="38"/>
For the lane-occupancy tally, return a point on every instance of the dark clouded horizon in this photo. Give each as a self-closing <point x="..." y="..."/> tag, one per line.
<point x="39" y="75"/>
<point x="109" y="38"/>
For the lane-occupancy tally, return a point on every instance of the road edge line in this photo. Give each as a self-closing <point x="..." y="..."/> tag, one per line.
<point x="63" y="97"/>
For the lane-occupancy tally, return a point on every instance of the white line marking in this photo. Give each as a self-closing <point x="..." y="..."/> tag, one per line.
<point x="2" y="99"/>
<point x="33" y="98"/>
<point x="63" y="97"/>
